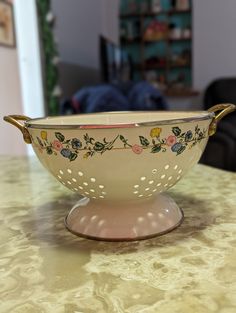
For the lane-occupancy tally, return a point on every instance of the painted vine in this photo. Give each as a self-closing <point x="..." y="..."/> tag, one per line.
<point x="177" y="142"/>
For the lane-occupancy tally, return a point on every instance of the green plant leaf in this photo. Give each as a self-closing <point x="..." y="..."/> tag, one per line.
<point x="156" y="148"/>
<point x="122" y="138"/>
<point x="40" y="141"/>
<point x="176" y="131"/>
<point x="181" y="150"/>
<point x="49" y="150"/>
<point x="144" y="141"/>
<point x="86" y="137"/>
<point x="98" y="146"/>
<point x="59" y="136"/>
<point x="73" y="156"/>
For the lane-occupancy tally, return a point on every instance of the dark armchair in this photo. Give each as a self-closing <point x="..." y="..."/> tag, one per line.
<point x="221" y="149"/>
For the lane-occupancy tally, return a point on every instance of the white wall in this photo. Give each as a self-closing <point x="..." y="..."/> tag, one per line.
<point x="21" y="84"/>
<point x="214" y="45"/>
<point x="10" y="102"/>
<point x="78" y="26"/>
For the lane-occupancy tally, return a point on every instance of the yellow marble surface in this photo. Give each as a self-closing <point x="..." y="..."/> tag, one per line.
<point x="44" y="268"/>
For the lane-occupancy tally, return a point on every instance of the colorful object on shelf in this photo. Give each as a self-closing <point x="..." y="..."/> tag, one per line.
<point x="132" y="7"/>
<point x="144" y="7"/>
<point x="182" y="5"/>
<point x="156" y="30"/>
<point x="175" y="32"/>
<point x="182" y="59"/>
<point x="186" y="33"/>
<point x="156" y="6"/>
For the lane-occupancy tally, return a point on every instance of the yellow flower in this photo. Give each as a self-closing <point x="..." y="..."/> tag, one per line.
<point x="155" y="132"/>
<point x="44" y="135"/>
<point x="86" y="155"/>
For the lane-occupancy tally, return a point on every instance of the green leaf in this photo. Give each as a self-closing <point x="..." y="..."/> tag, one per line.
<point x="40" y="141"/>
<point x="98" y="146"/>
<point x="181" y="150"/>
<point x="60" y="137"/>
<point x="86" y="137"/>
<point x="73" y="156"/>
<point x="49" y="150"/>
<point x="122" y="138"/>
<point x="176" y="131"/>
<point x="156" y="148"/>
<point x="144" y="141"/>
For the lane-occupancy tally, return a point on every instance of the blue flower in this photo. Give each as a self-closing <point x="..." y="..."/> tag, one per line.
<point x="188" y="135"/>
<point x="76" y="143"/>
<point x="66" y="153"/>
<point x="176" y="147"/>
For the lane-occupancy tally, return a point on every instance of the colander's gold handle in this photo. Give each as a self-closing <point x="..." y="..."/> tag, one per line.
<point x="14" y="120"/>
<point x="224" y="108"/>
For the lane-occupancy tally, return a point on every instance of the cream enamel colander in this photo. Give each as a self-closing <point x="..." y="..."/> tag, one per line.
<point x="121" y="162"/>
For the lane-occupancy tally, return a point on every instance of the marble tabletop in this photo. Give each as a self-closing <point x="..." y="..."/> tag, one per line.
<point x="44" y="268"/>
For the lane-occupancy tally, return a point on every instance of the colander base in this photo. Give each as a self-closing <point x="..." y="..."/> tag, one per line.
<point x="124" y="221"/>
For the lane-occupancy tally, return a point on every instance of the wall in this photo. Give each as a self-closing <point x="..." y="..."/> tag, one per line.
<point x="21" y="84"/>
<point x="10" y="102"/>
<point x="78" y="26"/>
<point x="214" y="44"/>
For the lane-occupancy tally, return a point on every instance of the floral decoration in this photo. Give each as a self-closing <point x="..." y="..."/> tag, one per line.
<point x="177" y="142"/>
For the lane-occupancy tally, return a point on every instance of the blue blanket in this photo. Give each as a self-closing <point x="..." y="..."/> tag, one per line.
<point x="102" y="98"/>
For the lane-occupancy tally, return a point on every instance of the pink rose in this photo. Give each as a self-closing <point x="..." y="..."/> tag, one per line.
<point x="137" y="149"/>
<point x="171" y="140"/>
<point x="57" y="145"/>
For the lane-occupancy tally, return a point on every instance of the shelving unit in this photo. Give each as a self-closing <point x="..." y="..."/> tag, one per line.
<point x="168" y="57"/>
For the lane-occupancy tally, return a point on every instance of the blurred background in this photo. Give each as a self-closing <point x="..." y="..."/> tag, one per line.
<point x="62" y="57"/>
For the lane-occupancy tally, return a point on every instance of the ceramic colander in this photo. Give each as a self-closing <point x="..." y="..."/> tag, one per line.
<point x="121" y="162"/>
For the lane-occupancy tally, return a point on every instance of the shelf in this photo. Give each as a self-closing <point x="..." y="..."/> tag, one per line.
<point x="180" y="39"/>
<point x="181" y="93"/>
<point x="139" y="15"/>
<point x="180" y="65"/>
<point x="154" y="40"/>
<point x="153" y="14"/>
<point x="130" y="41"/>
<point x="173" y="12"/>
<point x="152" y="45"/>
<point x="154" y="67"/>
<point x="147" y="67"/>
<point x="139" y="39"/>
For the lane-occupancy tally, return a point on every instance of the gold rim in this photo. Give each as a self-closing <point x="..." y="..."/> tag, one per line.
<point x="200" y="117"/>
